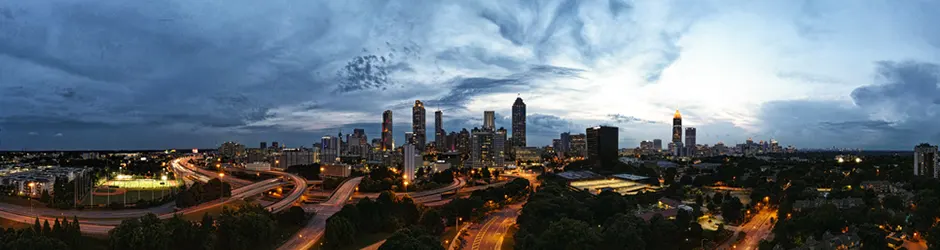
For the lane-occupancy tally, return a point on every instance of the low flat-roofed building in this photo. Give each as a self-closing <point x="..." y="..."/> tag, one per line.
<point x="336" y="170"/>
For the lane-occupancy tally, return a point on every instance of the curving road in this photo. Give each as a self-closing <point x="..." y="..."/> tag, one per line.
<point x="491" y="233"/>
<point x="756" y="229"/>
<point x="311" y="233"/>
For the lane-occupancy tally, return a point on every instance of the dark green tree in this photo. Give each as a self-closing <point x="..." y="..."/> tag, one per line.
<point x="432" y="221"/>
<point x="624" y="232"/>
<point x="339" y="231"/>
<point x="146" y="233"/>
<point x="412" y="238"/>
<point x="569" y="234"/>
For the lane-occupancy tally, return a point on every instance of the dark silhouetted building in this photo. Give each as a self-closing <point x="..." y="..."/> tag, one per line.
<point x="418" y="124"/>
<point x="439" y="134"/>
<point x="518" y="123"/>
<point x="387" y="141"/>
<point x="602" y="144"/>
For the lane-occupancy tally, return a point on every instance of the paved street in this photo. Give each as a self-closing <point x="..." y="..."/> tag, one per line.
<point x="757" y="229"/>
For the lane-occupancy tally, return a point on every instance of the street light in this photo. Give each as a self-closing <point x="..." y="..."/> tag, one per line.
<point x="221" y="186"/>
<point x="406" y="186"/>
<point x="30" y="196"/>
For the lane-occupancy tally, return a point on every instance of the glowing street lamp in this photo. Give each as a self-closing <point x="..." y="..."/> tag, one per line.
<point x="406" y="186"/>
<point x="221" y="186"/>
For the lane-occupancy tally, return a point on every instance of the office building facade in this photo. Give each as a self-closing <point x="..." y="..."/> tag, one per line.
<point x="489" y="120"/>
<point x="602" y="144"/>
<point x="439" y="134"/>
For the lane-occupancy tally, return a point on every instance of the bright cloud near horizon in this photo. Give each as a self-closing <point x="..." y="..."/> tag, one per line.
<point x="178" y="74"/>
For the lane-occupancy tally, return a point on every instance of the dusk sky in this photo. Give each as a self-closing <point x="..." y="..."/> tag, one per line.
<point x="182" y="73"/>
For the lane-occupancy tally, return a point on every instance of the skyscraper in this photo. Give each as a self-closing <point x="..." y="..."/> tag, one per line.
<point x="409" y="138"/>
<point x="565" y="143"/>
<point x="263" y="145"/>
<point x="275" y="145"/>
<point x="387" y="131"/>
<point x="439" y="134"/>
<point x="329" y="149"/>
<point x="677" y="128"/>
<point x="489" y="120"/>
<point x="602" y="144"/>
<point x="925" y="160"/>
<point x="690" y="141"/>
<point x="418" y="124"/>
<point x="481" y="149"/>
<point x="518" y="123"/>
<point x="657" y="144"/>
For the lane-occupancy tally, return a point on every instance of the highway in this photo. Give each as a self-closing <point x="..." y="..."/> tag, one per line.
<point x="491" y="233"/>
<point x="756" y="229"/>
<point x="311" y="233"/>
<point x="458" y="183"/>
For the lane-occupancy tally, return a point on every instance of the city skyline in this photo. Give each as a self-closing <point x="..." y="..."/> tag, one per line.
<point x="823" y="78"/>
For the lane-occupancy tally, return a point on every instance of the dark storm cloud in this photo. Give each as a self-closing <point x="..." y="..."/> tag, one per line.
<point x="465" y="89"/>
<point x="897" y="112"/>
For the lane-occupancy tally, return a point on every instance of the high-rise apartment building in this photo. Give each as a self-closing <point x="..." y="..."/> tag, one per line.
<point x="657" y="144"/>
<point x="387" y="140"/>
<point x="602" y="144"/>
<point x="518" y="123"/>
<point x="410" y="138"/>
<point x="578" y="145"/>
<point x="925" y="160"/>
<point x="463" y="141"/>
<point x="481" y="148"/>
<point x="275" y="145"/>
<point x="489" y="120"/>
<point x="690" y="141"/>
<point x="418" y="124"/>
<point x="439" y="134"/>
<point x="499" y="147"/>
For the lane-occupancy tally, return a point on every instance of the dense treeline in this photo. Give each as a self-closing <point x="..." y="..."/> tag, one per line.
<point x="248" y="227"/>
<point x="557" y="217"/>
<point x="483" y="201"/>
<point x="60" y="235"/>
<point x="203" y="192"/>
<point x="387" y="213"/>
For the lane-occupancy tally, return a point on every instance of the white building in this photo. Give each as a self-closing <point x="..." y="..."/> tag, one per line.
<point x="258" y="166"/>
<point x="409" y="165"/>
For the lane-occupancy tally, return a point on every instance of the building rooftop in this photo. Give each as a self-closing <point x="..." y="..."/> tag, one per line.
<point x="631" y="177"/>
<point x="579" y="175"/>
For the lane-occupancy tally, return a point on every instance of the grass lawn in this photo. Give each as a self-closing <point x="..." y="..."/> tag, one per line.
<point x="214" y="211"/>
<point x="5" y="223"/>
<point x="132" y="196"/>
<point x="361" y="242"/>
<point x="509" y="241"/>
<point x="22" y="201"/>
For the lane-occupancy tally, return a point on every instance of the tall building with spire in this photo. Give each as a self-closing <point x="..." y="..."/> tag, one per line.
<point x="489" y="120"/>
<point x="518" y="123"/>
<point x="387" y="144"/>
<point x="676" y="145"/>
<point x="439" y="134"/>
<point x="418" y="124"/>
